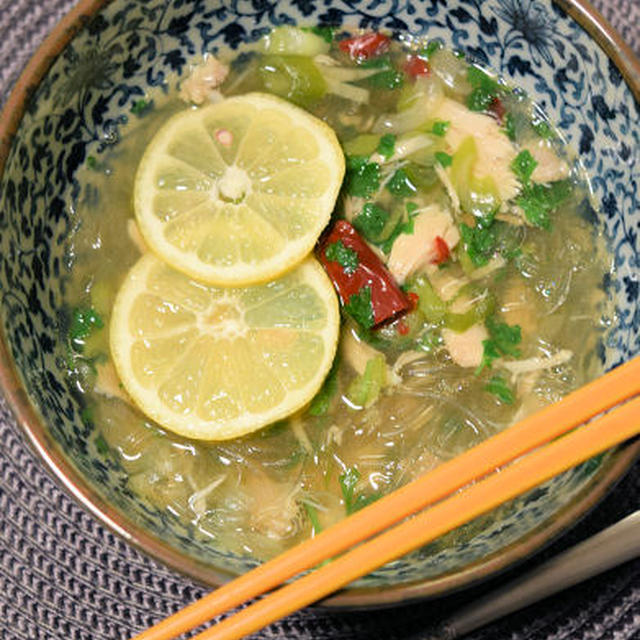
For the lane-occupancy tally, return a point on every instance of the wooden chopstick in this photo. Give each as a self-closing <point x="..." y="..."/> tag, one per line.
<point x="553" y="421"/>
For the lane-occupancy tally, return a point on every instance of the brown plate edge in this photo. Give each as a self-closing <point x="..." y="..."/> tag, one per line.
<point x="31" y="423"/>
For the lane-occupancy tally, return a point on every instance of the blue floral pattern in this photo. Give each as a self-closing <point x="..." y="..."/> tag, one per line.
<point x="129" y="47"/>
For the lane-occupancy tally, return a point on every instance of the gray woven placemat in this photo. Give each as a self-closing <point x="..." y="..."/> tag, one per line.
<point x="65" y="577"/>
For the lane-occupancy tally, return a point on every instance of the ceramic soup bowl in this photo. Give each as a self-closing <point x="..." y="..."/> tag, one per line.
<point x="79" y="92"/>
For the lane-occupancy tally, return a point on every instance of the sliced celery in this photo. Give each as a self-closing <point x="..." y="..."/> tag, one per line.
<point x="362" y="145"/>
<point x="365" y="389"/>
<point x="429" y="302"/>
<point x="295" y="78"/>
<point x="293" y="41"/>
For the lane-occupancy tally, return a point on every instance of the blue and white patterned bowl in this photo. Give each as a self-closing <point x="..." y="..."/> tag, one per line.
<point x="77" y="94"/>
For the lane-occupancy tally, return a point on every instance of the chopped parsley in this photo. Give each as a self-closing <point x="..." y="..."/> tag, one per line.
<point x="92" y="163"/>
<point x="509" y="127"/>
<point x="83" y="322"/>
<point x="440" y="127"/>
<point x="312" y="514"/>
<point x="387" y="78"/>
<point x="387" y="145"/>
<point x="443" y="159"/>
<point x="347" y="258"/>
<point x="431" y="48"/>
<point x="140" y="106"/>
<point x="523" y="166"/>
<point x="503" y="341"/>
<point x="359" y="307"/>
<point x="363" y="177"/>
<point x="101" y="445"/>
<point x="543" y="129"/>
<point x="538" y="201"/>
<point x="498" y="386"/>
<point x="400" y="185"/>
<point x="370" y="222"/>
<point x="485" y="89"/>
<point x="353" y="502"/>
<point x="479" y="242"/>
<point x="412" y="209"/>
<point x="326" y="33"/>
<point x="322" y="400"/>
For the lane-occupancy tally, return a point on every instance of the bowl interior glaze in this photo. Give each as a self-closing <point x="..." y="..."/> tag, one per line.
<point x="79" y="107"/>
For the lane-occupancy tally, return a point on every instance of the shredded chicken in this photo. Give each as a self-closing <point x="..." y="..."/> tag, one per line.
<point x="466" y="348"/>
<point x="108" y="383"/>
<point x="414" y="251"/>
<point x="203" y="80"/>
<point x="550" y="167"/>
<point x="517" y="367"/>
<point x="448" y="185"/>
<point x="495" y="151"/>
<point x="356" y="352"/>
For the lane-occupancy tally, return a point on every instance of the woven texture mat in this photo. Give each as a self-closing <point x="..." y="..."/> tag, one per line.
<point x="65" y="577"/>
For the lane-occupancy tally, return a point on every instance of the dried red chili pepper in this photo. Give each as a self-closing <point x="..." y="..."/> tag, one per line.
<point x="366" y="46"/>
<point x="416" y="66"/>
<point x="368" y="279"/>
<point x="442" y="251"/>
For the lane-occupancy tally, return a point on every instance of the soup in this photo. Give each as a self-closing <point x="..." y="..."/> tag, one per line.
<point x="459" y="197"/>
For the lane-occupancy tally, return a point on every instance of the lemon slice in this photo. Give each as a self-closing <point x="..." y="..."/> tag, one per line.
<point x="215" y="363"/>
<point x="238" y="192"/>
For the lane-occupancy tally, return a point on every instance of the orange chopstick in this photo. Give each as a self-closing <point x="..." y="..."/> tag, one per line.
<point x="578" y="407"/>
<point x="524" y="474"/>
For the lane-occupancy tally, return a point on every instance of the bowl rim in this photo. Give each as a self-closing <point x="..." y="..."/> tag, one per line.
<point x="32" y="425"/>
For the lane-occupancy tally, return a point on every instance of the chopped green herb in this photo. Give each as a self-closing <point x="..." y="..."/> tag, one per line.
<point x="347" y="258"/>
<point x="524" y="165"/>
<point x="480" y="99"/>
<point x="443" y="159"/>
<point x="485" y="89"/>
<point x="498" y="386"/>
<point x="359" y="307"/>
<point x="370" y="222"/>
<point x="352" y="502"/>
<point x="400" y="185"/>
<point x="479" y="243"/>
<point x="322" y="400"/>
<point x="83" y="322"/>
<point x="440" y="127"/>
<point x="312" y="514"/>
<point x="543" y="129"/>
<point x="538" y="201"/>
<point x="140" y="106"/>
<point x="326" y="33"/>
<point x="389" y="79"/>
<point x="412" y="208"/>
<point x="363" y="177"/>
<point x="397" y="230"/>
<point x="92" y="163"/>
<point x="509" y="127"/>
<point x="431" y="48"/>
<point x="503" y="341"/>
<point x="387" y="145"/>
<point x="101" y="445"/>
